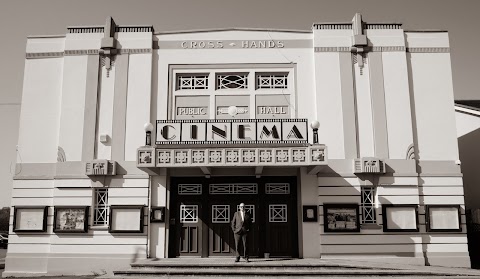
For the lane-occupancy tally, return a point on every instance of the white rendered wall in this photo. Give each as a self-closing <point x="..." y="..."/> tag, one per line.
<point x="138" y="102"/>
<point x="329" y="103"/>
<point x="73" y="106"/>
<point x="301" y="57"/>
<point x="397" y="104"/>
<point x="40" y="111"/>
<point x="363" y="95"/>
<point x="54" y="252"/>
<point x="105" y="112"/>
<point x="445" y="249"/>
<point x="158" y="233"/>
<point x="434" y="106"/>
<point x="310" y="239"/>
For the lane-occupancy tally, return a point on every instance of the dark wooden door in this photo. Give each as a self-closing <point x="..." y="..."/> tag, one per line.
<point x="204" y="209"/>
<point x="221" y="242"/>
<point x="221" y="238"/>
<point x="189" y="228"/>
<point x="280" y="239"/>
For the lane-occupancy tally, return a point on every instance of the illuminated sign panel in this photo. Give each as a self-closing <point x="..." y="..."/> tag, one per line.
<point x="236" y="131"/>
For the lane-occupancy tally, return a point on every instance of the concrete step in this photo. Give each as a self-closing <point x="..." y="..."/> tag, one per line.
<point x="260" y="272"/>
<point x="244" y="265"/>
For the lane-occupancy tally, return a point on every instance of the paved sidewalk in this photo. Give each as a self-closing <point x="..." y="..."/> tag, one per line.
<point x="449" y="272"/>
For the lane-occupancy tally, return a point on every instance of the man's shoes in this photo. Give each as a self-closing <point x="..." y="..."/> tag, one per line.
<point x="237" y="259"/>
<point x="246" y="259"/>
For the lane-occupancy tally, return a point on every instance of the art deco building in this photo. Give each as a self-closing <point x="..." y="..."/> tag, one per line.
<point x="134" y="144"/>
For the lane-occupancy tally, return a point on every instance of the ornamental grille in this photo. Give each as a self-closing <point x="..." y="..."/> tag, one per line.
<point x="368" y="205"/>
<point x="100" y="207"/>
<point x="272" y="81"/>
<point x="188" y="213"/>
<point x="277" y="213"/>
<point x="192" y="82"/>
<point x="277" y="188"/>
<point x="232" y="81"/>
<point x="189" y="189"/>
<point x="239" y="188"/>
<point x="250" y="209"/>
<point x="220" y="213"/>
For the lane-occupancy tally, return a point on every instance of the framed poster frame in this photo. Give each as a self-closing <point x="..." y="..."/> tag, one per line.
<point x="334" y="210"/>
<point x="40" y="209"/>
<point x="153" y="212"/>
<point x="59" y="209"/>
<point x="385" y="217"/>
<point x="429" y="221"/>
<point x="113" y="208"/>
<point x="306" y="217"/>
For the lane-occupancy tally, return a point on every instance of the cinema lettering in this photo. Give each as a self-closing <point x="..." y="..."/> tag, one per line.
<point x="252" y="131"/>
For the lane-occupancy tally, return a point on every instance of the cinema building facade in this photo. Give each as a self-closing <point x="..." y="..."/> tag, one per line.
<point x="341" y="142"/>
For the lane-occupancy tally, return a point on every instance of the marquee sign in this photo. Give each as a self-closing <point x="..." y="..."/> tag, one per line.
<point x="234" y="131"/>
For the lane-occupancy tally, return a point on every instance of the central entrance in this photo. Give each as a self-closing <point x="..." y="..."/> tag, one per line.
<point x="202" y="208"/>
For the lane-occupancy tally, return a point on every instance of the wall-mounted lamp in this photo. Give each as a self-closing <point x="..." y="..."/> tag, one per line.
<point x="148" y="130"/>
<point x="315" y="125"/>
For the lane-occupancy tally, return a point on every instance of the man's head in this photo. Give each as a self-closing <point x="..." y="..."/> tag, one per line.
<point x="242" y="206"/>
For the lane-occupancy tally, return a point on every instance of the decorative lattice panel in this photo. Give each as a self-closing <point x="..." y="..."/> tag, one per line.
<point x="232" y="81"/>
<point x="249" y="156"/>
<point x="239" y="188"/>
<point x="277" y="213"/>
<point x="188" y="213"/>
<point x="266" y="156"/>
<point x="282" y="155"/>
<point x="215" y="156"/>
<point x="181" y="156"/>
<point x="199" y="156"/>
<point x="368" y="205"/>
<point x="317" y="155"/>
<point x="250" y="209"/>
<point x="192" y="82"/>
<point x="272" y="80"/>
<point x="299" y="155"/>
<point x="100" y="209"/>
<point x="277" y="188"/>
<point x="220" y="213"/>
<point x="164" y="157"/>
<point x="232" y="156"/>
<point x="289" y="156"/>
<point x="189" y="189"/>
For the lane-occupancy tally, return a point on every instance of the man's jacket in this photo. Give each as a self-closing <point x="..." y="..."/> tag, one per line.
<point x="239" y="226"/>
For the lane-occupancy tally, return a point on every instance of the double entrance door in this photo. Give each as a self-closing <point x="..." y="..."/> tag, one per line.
<point x="202" y="209"/>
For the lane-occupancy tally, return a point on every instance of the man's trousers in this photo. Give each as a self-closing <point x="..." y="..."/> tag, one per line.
<point x="237" y="244"/>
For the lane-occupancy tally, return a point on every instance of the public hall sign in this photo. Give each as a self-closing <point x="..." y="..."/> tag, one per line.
<point x="235" y="131"/>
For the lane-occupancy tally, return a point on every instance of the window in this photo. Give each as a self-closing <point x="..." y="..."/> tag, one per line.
<point x="238" y="188"/>
<point x="277" y="188"/>
<point x="271" y="80"/>
<point x="188" y="213"/>
<point x="220" y="213"/>
<point x="192" y="81"/>
<point x="100" y="215"/>
<point x="277" y="213"/>
<point x="368" y="205"/>
<point x="232" y="81"/>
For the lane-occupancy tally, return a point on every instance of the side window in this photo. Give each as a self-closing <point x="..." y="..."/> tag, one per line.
<point x="368" y="205"/>
<point x="100" y="207"/>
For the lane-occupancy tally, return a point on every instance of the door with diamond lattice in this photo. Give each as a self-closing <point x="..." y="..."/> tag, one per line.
<point x="189" y="238"/>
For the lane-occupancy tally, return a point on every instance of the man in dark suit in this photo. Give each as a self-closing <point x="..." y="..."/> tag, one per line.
<point x="241" y="223"/>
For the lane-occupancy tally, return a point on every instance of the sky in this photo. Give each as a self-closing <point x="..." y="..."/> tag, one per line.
<point x="20" y="18"/>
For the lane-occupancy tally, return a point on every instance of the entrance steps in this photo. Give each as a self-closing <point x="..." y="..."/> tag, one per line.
<point x="279" y="268"/>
